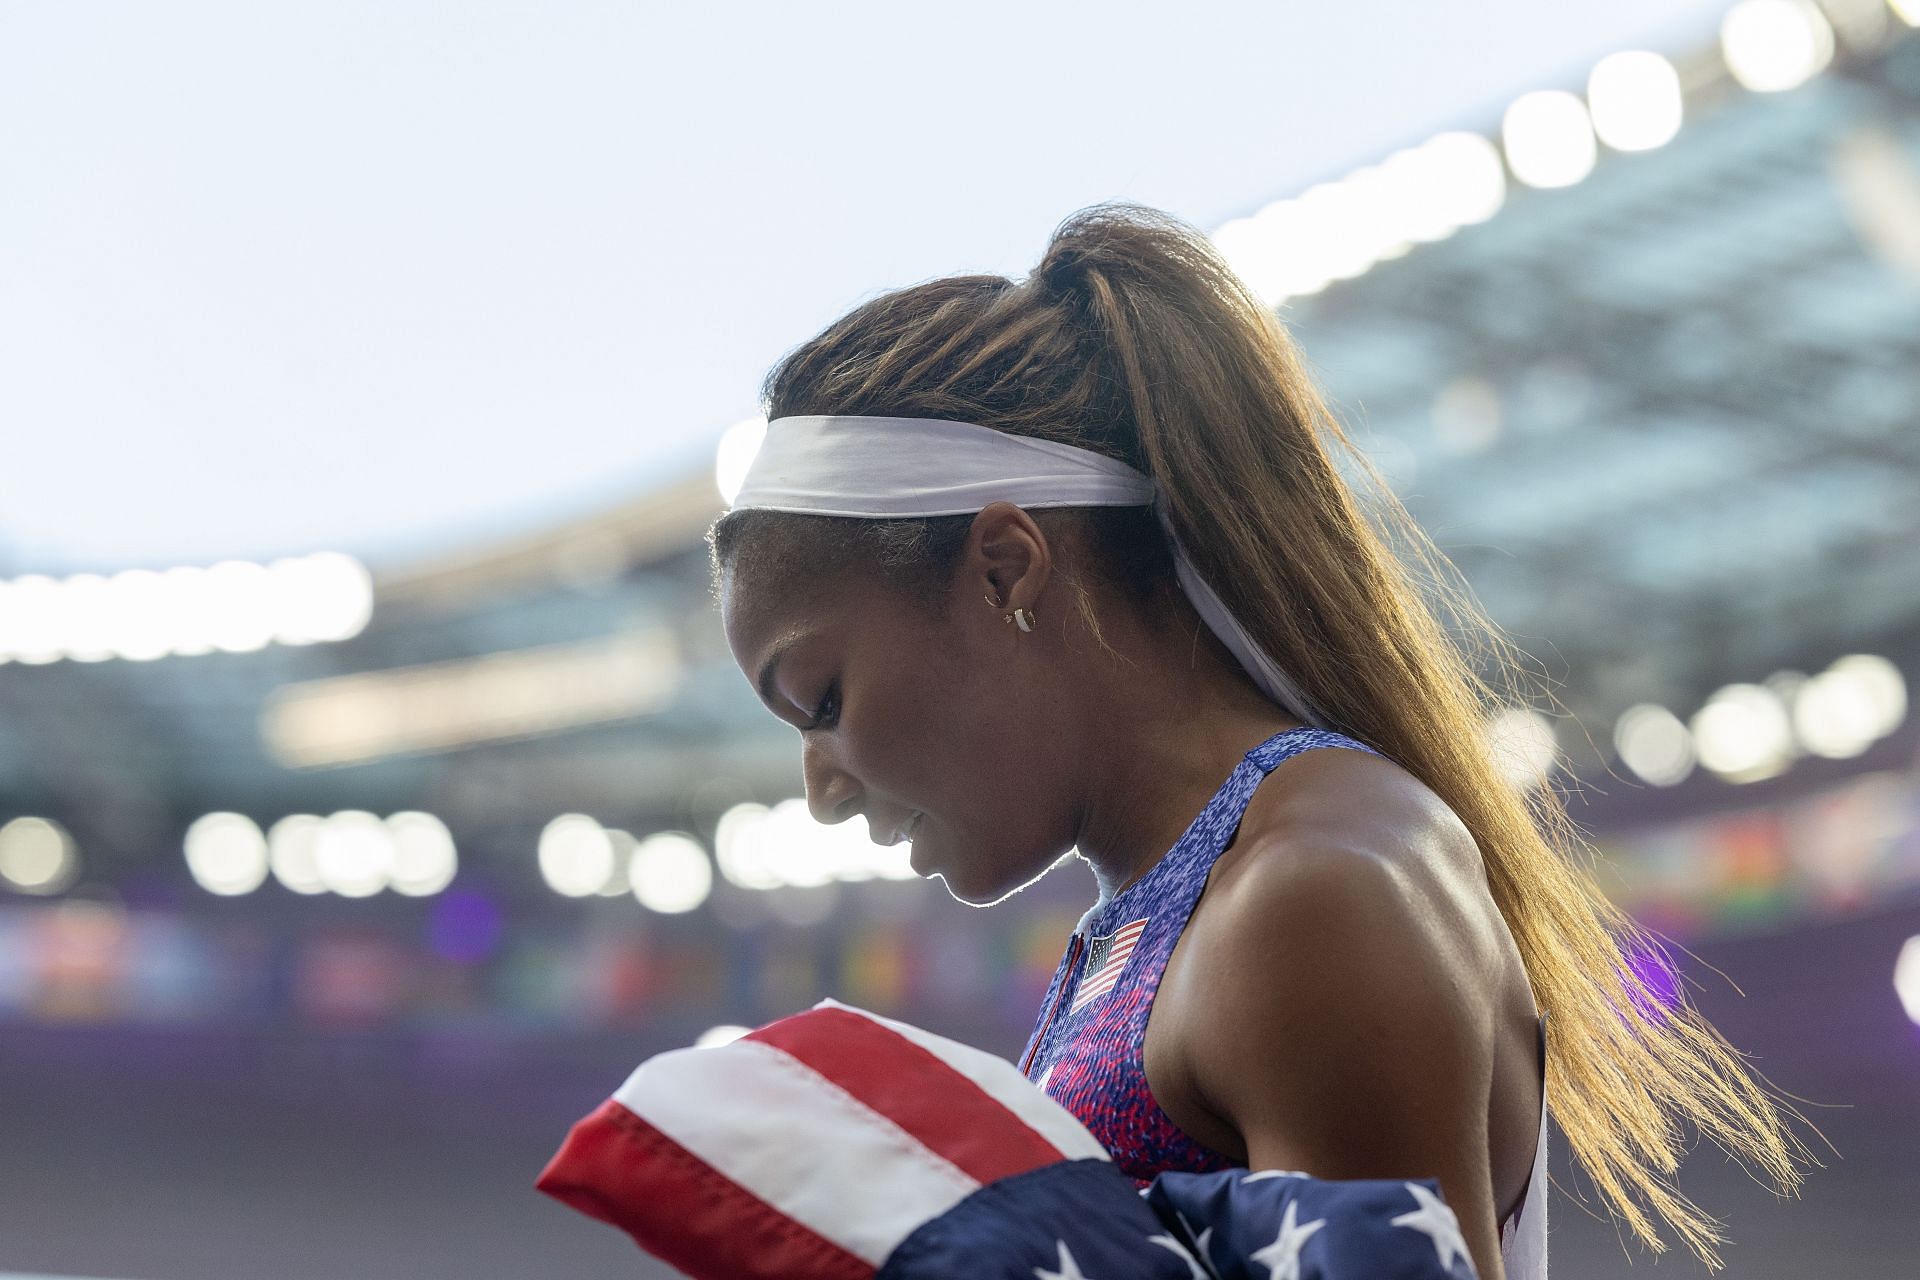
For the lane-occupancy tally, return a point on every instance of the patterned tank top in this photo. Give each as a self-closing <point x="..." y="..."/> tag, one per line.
<point x="1086" y="1050"/>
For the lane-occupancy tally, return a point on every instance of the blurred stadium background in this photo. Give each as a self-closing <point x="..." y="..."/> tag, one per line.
<point x="332" y="892"/>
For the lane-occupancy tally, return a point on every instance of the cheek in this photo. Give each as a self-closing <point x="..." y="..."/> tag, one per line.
<point x="946" y="732"/>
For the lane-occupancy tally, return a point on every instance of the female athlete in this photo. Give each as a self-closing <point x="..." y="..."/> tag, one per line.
<point x="1330" y="936"/>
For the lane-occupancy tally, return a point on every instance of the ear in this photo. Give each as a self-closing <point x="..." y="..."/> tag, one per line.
<point x="1007" y="556"/>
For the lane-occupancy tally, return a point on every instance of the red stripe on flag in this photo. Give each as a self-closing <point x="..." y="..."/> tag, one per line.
<point x="914" y="1088"/>
<point x="616" y="1167"/>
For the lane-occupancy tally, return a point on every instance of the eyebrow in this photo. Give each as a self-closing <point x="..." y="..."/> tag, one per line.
<point x="779" y="651"/>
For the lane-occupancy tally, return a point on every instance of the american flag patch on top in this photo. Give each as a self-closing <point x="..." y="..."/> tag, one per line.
<point x="1106" y="957"/>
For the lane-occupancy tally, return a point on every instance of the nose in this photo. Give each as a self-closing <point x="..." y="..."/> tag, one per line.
<point x="832" y="794"/>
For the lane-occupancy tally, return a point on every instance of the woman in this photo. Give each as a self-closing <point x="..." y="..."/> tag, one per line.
<point x="1330" y="937"/>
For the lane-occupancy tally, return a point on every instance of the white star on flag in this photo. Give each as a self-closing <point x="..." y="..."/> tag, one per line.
<point x="1203" y="1240"/>
<point x="1069" y="1269"/>
<point x="1179" y="1250"/>
<point x="1282" y="1257"/>
<point x="1437" y="1222"/>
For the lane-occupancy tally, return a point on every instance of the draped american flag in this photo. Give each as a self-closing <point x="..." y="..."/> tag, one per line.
<point x="840" y="1145"/>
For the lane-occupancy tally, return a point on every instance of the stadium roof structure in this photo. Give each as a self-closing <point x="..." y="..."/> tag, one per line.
<point x="1667" y="421"/>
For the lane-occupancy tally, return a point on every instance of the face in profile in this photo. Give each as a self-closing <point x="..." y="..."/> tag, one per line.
<point x="904" y="716"/>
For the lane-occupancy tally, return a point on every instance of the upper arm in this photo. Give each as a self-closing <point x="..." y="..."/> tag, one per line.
<point x="1348" y="1029"/>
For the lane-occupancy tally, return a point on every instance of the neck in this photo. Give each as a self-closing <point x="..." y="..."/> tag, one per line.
<point x="1168" y="731"/>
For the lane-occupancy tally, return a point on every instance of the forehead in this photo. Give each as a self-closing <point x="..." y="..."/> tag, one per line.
<point x="758" y="615"/>
<point x="761" y="617"/>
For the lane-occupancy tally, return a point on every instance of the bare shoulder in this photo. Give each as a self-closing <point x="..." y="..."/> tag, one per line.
<point x="1351" y="1003"/>
<point x="1352" y="928"/>
<point x="1331" y="814"/>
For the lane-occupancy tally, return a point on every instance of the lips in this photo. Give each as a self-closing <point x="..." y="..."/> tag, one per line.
<point x="905" y="831"/>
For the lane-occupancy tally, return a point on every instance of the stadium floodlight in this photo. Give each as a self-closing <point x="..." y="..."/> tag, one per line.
<point x="238" y="617"/>
<point x="670" y="873"/>
<point x="1267" y="252"/>
<point x="186" y="609"/>
<point x="424" y="858"/>
<point x="138" y="615"/>
<point x="86" y="618"/>
<point x="1907" y="10"/>
<point x="1335" y="239"/>
<point x="226" y="853"/>
<point x="1296" y="247"/>
<point x="354" y="853"/>
<point x="1548" y="138"/>
<point x="290" y="844"/>
<point x="782" y="847"/>
<point x="1635" y="100"/>
<point x="1775" y="45"/>
<point x="1653" y="742"/>
<point x="1850" y="706"/>
<point x="37" y="856"/>
<point x="321" y="597"/>
<point x="141" y="630"/>
<point x="30" y="627"/>
<point x="1906" y="978"/>
<point x="576" y="855"/>
<point x="1524" y="745"/>
<point x="1464" y="177"/>
<point x="740" y="847"/>
<point x="1743" y="733"/>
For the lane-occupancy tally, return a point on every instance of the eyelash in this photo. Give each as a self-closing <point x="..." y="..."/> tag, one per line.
<point x="819" y="720"/>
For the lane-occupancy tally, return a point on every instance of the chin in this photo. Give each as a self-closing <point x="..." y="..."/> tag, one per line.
<point x="976" y="886"/>
<point x="978" y="891"/>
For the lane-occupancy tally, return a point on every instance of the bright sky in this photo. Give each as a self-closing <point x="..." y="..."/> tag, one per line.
<point x="389" y="278"/>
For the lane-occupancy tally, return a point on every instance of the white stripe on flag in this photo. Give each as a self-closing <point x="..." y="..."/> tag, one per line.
<point x="1002" y="1082"/>
<point x="840" y="1168"/>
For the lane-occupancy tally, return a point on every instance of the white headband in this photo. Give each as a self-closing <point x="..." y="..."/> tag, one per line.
<point x="877" y="468"/>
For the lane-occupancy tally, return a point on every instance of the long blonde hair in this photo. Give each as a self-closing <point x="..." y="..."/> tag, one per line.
<point x="1133" y="337"/>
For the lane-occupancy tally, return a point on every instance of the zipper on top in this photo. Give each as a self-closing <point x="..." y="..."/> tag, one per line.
<point x="1069" y="978"/>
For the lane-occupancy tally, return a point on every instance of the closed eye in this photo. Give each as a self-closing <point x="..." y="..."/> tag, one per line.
<point x="820" y="716"/>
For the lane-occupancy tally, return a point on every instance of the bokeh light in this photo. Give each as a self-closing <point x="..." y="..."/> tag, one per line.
<point x="670" y="873"/>
<point x="354" y="854"/>
<point x="139" y="615"/>
<point x="1548" y="138"/>
<point x="290" y="853"/>
<point x="1775" y="45"/>
<point x="1337" y="230"/>
<point x="1635" y="101"/>
<point x="1743" y="733"/>
<point x="322" y="597"/>
<point x="1523" y="745"/>
<point x="37" y="856"/>
<point x="424" y="858"/>
<point x="226" y="854"/>
<point x="1906" y="978"/>
<point x="576" y="855"/>
<point x="1655" y="744"/>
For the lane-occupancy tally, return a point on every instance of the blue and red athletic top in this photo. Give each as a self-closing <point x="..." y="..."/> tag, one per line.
<point x="1086" y="1051"/>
